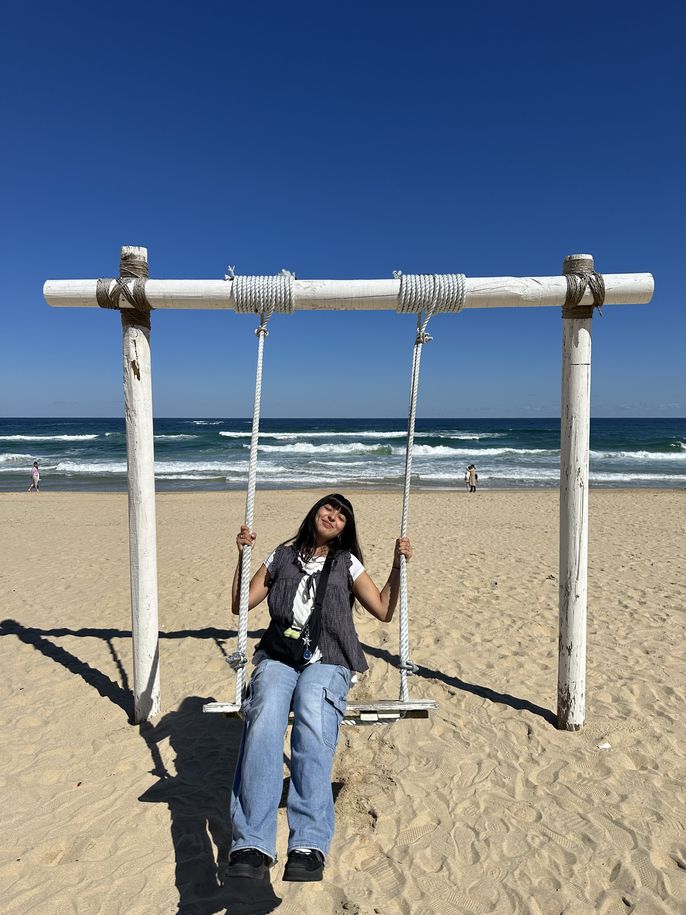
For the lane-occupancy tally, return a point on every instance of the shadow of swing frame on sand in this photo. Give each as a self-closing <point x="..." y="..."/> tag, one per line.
<point x="206" y="748"/>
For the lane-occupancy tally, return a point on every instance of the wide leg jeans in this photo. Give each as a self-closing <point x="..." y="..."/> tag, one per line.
<point x="317" y="695"/>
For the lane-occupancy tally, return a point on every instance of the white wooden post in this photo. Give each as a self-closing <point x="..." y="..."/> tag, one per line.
<point x="141" y="475"/>
<point x="575" y="427"/>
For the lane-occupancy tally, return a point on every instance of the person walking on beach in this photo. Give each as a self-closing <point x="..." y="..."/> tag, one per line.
<point x="473" y="477"/>
<point x="35" y="478"/>
<point x="304" y="663"/>
<point x="466" y="479"/>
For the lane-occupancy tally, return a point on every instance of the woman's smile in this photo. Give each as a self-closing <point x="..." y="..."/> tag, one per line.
<point x="329" y="522"/>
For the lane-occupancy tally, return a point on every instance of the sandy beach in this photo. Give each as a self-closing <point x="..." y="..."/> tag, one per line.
<point x="484" y="808"/>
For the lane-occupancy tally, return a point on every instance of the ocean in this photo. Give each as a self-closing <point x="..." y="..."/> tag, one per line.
<point x="212" y="454"/>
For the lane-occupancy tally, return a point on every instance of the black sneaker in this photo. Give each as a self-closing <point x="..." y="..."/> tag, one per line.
<point x="246" y="862"/>
<point x="304" y="866"/>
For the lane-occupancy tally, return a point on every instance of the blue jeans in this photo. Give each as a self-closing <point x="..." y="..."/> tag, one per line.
<point x="317" y="694"/>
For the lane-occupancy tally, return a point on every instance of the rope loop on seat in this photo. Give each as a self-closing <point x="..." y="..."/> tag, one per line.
<point x="263" y="294"/>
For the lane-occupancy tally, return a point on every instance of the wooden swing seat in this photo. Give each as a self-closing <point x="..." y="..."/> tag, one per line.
<point x="369" y="712"/>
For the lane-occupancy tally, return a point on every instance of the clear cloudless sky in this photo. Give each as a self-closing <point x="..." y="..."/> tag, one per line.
<point x="341" y="140"/>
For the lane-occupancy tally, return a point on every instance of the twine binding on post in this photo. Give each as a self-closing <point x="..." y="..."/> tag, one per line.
<point x="109" y="292"/>
<point x="580" y="275"/>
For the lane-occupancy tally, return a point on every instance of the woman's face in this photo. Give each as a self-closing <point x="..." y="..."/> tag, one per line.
<point x="328" y="522"/>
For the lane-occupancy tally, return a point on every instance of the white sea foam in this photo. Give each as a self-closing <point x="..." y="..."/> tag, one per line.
<point x="346" y="464"/>
<point x="47" y="438"/>
<point x="175" y="438"/>
<point x="460" y="436"/>
<point x="10" y="458"/>
<point x="637" y="477"/>
<point x="103" y="468"/>
<point x="165" y="468"/>
<point x="334" y="434"/>
<point x="550" y="475"/>
<point x="640" y="455"/>
<point x="207" y="422"/>
<point x="473" y="453"/>
<point x="308" y="448"/>
<point x="294" y="436"/>
<point x="194" y="476"/>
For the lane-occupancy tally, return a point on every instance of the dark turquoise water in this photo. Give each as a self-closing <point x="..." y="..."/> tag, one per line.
<point x="78" y="454"/>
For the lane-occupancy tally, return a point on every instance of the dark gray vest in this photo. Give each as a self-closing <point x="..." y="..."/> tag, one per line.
<point x="338" y="643"/>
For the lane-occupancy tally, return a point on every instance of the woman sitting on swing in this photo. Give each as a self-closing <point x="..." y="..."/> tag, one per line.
<point x="304" y="663"/>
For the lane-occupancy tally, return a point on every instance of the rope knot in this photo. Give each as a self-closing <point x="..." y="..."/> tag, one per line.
<point x="261" y="331"/>
<point x="422" y="337"/>
<point x="409" y="666"/>
<point x="237" y="660"/>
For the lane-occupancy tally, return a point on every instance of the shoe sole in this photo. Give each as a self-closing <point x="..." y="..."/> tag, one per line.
<point x="303" y="877"/>
<point x="229" y="872"/>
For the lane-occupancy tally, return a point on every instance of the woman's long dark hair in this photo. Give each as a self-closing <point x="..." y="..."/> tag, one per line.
<point x="305" y="541"/>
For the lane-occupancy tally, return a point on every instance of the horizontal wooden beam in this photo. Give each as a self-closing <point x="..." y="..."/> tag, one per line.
<point x="358" y="295"/>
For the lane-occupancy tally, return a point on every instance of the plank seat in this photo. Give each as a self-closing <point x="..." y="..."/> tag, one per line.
<point x="367" y="712"/>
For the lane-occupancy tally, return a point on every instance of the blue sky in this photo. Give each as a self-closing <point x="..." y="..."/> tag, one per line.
<point x="342" y="140"/>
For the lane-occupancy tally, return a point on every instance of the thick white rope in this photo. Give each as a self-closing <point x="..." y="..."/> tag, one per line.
<point x="438" y="291"/>
<point x="262" y="294"/>
<point x="249" y="516"/>
<point x="419" y="292"/>
<point x="274" y="293"/>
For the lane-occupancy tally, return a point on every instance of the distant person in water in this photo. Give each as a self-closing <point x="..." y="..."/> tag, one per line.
<point x="473" y="477"/>
<point x="35" y="478"/>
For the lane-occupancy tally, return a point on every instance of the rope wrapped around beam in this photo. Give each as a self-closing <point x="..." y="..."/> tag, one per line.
<point x="264" y="294"/>
<point x="433" y="292"/>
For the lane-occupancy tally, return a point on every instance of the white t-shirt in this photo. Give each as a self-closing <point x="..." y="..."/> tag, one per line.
<point x="303" y="603"/>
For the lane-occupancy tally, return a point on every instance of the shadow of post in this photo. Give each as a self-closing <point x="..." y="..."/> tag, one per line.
<point x="107" y="688"/>
<point x="205" y="747"/>
<point x="484" y="692"/>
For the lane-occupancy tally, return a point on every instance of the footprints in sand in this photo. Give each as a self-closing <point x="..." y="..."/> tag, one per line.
<point x="470" y="773"/>
<point x="386" y="875"/>
<point x="465" y="773"/>
<point x="446" y="899"/>
<point x="415" y="833"/>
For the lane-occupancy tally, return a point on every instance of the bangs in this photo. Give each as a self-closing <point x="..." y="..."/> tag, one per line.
<point x="340" y="503"/>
